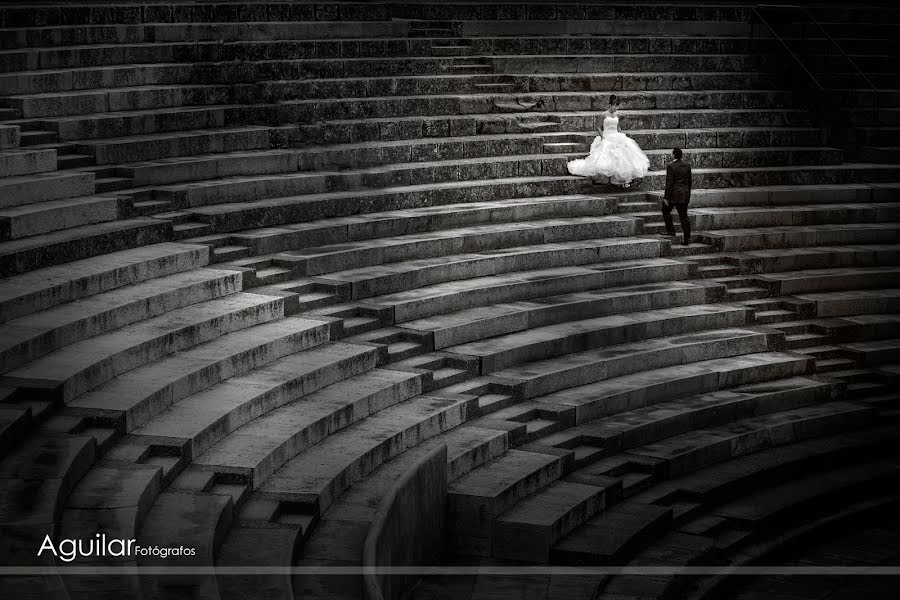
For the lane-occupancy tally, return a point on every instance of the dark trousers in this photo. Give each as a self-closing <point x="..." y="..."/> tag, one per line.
<point x="682" y="216"/>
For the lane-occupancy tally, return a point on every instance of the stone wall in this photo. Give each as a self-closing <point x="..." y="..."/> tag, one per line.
<point x="409" y="528"/>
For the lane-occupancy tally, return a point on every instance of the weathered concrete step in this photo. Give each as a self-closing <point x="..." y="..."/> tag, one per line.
<point x="77" y="243"/>
<point x="352" y="228"/>
<point x="34" y="219"/>
<point x="813" y="258"/>
<point x="503" y="352"/>
<point x="202" y="521"/>
<point x="160" y="29"/>
<point x="40" y="187"/>
<point x="37" y="137"/>
<point x="822" y="280"/>
<point x="752" y="217"/>
<point x="636" y="62"/>
<point x="450" y="329"/>
<point x="261" y="447"/>
<point x="613" y="535"/>
<point x="180" y="143"/>
<point x="528" y="530"/>
<point x="138" y="395"/>
<point x="475" y="239"/>
<point x="354" y="131"/>
<point x="436" y="172"/>
<point x="555" y="374"/>
<point x="413" y="274"/>
<point x="709" y="446"/>
<point x="808" y="493"/>
<point x="319" y="475"/>
<point x="646" y="388"/>
<point x="138" y="122"/>
<point x="101" y="100"/>
<point x="475" y="500"/>
<point x="854" y="302"/>
<point x="768" y="468"/>
<point x="79" y="367"/>
<point x="209" y="416"/>
<point x="269" y="209"/>
<point x="594" y="24"/>
<point x="45" y="288"/>
<point x="31" y="336"/>
<point x="114" y="499"/>
<point x="210" y="166"/>
<point x="345" y="107"/>
<point x="45" y="467"/>
<point x="874" y="352"/>
<point x="18" y="162"/>
<point x="10" y="135"/>
<point x="803" y="235"/>
<point x="650" y="424"/>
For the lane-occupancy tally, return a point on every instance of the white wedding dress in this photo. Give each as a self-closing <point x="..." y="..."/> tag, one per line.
<point x="613" y="155"/>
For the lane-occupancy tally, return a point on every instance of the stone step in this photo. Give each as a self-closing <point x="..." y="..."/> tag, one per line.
<point x="117" y="99"/>
<point x="37" y="138"/>
<point x="138" y="395"/>
<point x="155" y="146"/>
<point x="646" y="388"/>
<point x="43" y="217"/>
<point x="410" y="275"/>
<point x="81" y="366"/>
<point x="74" y="161"/>
<point x="15" y="423"/>
<point x="209" y="166"/>
<point x="38" y="290"/>
<point x="814" y="258"/>
<point x="453" y="328"/>
<point x="738" y="477"/>
<point x="274" y="206"/>
<point x="77" y="243"/>
<point x="506" y="351"/>
<point x="475" y="239"/>
<point x="16" y="162"/>
<point x="873" y="352"/>
<point x="854" y="302"/>
<point x="766" y="317"/>
<point x="10" y="135"/>
<point x="614" y="534"/>
<point x="46" y="468"/>
<point x="547" y="376"/>
<point x="262" y="447"/>
<point x="204" y="419"/>
<point x="575" y="63"/>
<point x="762" y="126"/>
<point x="694" y="450"/>
<point x="808" y="493"/>
<point x="202" y="521"/>
<point x="352" y="228"/>
<point x="805" y="235"/>
<point x="41" y="187"/>
<point x="754" y="217"/>
<point x="31" y="336"/>
<point x="650" y="424"/>
<point x="104" y="185"/>
<point x="739" y="294"/>
<point x="474" y="501"/>
<point x="529" y="529"/>
<point x="114" y="500"/>
<point x="822" y="280"/>
<point x="536" y="101"/>
<point x="319" y="475"/>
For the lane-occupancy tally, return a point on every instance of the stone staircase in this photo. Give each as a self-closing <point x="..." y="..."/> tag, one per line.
<point x="259" y="261"/>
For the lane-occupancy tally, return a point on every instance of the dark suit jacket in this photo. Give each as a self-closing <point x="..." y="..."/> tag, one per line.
<point x="678" y="182"/>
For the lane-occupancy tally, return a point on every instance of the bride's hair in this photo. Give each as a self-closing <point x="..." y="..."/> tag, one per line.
<point x="614" y="100"/>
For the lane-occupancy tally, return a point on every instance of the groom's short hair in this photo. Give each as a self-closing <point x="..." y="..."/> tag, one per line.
<point x="677" y="152"/>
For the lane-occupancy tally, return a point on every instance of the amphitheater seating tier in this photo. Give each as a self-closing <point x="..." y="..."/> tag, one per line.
<point x="261" y="260"/>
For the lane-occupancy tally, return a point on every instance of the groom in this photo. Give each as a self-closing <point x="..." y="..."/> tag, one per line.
<point x="677" y="194"/>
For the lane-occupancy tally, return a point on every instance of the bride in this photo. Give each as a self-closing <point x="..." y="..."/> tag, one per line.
<point x="613" y="154"/>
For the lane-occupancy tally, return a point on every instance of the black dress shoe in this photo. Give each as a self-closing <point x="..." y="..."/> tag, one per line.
<point x="667" y="234"/>
<point x="686" y="242"/>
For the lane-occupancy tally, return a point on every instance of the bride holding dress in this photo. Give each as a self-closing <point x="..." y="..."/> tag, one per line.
<point x="613" y="154"/>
